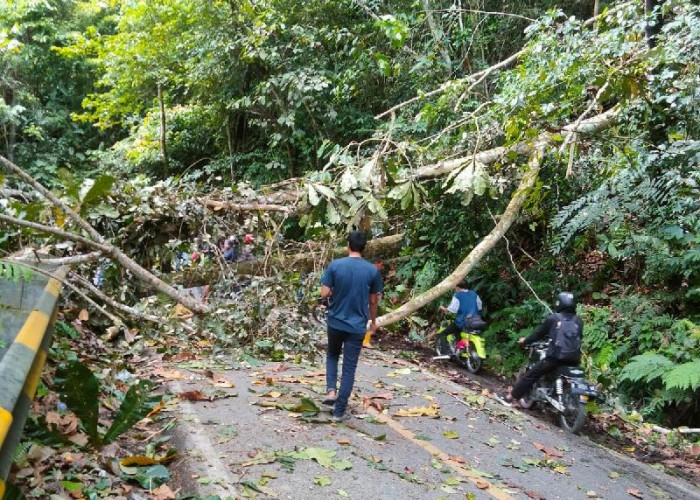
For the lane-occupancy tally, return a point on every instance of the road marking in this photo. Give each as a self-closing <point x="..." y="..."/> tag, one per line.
<point x="440" y="455"/>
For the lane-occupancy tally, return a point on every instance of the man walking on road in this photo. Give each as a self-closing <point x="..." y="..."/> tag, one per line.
<point x="352" y="284"/>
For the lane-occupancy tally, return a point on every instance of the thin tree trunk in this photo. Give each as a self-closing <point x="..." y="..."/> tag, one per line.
<point x="438" y="36"/>
<point x="163" y="130"/>
<point x="475" y="256"/>
<point x="12" y="132"/>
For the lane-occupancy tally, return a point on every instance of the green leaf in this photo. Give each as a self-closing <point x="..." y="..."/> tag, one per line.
<point x="343" y="493"/>
<point x="72" y="487"/>
<point x="13" y="493"/>
<point x="305" y="406"/>
<point x="313" y="196"/>
<point x="151" y="477"/>
<point x="685" y="376"/>
<point x="325" y="191"/>
<point x="80" y="390"/>
<point x="332" y="214"/>
<point x="138" y="402"/>
<point x="451" y="434"/>
<point x="322" y="456"/>
<point x="342" y="464"/>
<point x="96" y="193"/>
<point x="322" y="480"/>
<point x="645" y="367"/>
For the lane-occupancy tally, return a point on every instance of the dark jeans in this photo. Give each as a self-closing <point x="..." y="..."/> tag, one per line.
<point x="525" y="383"/>
<point x="351" y="345"/>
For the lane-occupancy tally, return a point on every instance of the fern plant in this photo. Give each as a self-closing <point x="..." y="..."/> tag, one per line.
<point x="15" y="272"/>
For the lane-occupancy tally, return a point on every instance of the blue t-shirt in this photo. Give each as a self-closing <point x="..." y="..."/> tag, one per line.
<point x="352" y="280"/>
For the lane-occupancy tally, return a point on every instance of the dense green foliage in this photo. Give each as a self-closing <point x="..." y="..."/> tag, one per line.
<point x="256" y="92"/>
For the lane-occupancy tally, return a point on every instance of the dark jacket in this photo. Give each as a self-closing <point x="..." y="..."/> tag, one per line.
<point x="549" y="327"/>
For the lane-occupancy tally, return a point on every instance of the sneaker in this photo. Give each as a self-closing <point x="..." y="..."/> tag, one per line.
<point x="504" y="399"/>
<point x="340" y="418"/>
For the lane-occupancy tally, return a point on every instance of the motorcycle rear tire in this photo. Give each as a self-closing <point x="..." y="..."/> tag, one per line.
<point x="471" y="362"/>
<point x="573" y="418"/>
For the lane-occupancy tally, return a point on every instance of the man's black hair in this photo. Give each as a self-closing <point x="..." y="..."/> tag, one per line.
<point x="463" y="284"/>
<point x="357" y="241"/>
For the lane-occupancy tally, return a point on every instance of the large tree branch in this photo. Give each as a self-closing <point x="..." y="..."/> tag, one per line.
<point x="57" y="261"/>
<point x="246" y="207"/>
<point x="589" y="126"/>
<point x="545" y="140"/>
<point x="103" y="245"/>
<point x="506" y="220"/>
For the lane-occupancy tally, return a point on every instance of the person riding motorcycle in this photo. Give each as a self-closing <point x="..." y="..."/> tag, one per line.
<point x="466" y="305"/>
<point x="565" y="330"/>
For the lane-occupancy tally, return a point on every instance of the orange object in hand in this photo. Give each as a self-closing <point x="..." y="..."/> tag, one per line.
<point x="365" y="342"/>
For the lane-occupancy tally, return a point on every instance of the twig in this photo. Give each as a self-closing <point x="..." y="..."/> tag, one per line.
<point x="115" y="304"/>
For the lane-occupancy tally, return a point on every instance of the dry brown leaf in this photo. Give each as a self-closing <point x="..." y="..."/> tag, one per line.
<point x="482" y="485"/>
<point x="273" y="394"/>
<point x="454" y="458"/>
<point x="84" y="315"/>
<point x="635" y="492"/>
<point x="130" y="335"/>
<point x="534" y="495"/>
<point x="193" y="396"/>
<point x="163" y="492"/>
<point x="80" y="439"/>
<point x="550" y="452"/>
<point x="218" y="380"/>
<point x="169" y="374"/>
<point x="385" y="395"/>
<point x="343" y="441"/>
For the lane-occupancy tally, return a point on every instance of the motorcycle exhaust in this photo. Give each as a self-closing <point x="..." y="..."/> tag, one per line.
<point x="437" y="358"/>
<point x="556" y="404"/>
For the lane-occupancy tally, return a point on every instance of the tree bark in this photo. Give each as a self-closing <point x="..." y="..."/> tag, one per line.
<point x="438" y="37"/>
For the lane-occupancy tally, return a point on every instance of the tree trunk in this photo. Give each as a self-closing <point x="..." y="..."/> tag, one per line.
<point x="163" y="130"/>
<point x="438" y="37"/>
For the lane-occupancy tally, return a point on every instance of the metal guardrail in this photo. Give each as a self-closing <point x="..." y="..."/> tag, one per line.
<point x="27" y="317"/>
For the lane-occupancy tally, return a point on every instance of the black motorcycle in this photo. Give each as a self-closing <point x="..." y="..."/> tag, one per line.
<point x="566" y="389"/>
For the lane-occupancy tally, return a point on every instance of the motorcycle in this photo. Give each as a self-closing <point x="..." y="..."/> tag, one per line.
<point x="566" y="389"/>
<point x="469" y="351"/>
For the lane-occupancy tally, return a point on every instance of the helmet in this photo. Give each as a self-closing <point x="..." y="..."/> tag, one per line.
<point x="565" y="302"/>
<point x="248" y="238"/>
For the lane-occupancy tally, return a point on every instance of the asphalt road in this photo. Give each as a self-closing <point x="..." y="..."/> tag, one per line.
<point x="465" y="445"/>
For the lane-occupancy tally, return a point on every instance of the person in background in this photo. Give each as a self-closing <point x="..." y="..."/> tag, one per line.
<point x="352" y="284"/>
<point x="247" y="251"/>
<point x="467" y="305"/>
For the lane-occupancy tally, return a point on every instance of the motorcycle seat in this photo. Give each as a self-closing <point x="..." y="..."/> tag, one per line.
<point x="570" y="371"/>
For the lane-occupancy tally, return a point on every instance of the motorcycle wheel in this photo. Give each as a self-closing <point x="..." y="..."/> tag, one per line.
<point x="442" y="346"/>
<point x="471" y="362"/>
<point x="573" y="417"/>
